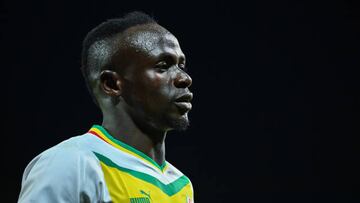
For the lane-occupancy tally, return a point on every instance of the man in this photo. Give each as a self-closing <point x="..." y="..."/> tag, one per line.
<point x="135" y="71"/>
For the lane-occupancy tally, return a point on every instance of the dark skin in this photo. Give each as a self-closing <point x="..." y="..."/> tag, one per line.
<point x="146" y="93"/>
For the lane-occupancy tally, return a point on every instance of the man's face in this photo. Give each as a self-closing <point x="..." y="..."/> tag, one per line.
<point x="155" y="84"/>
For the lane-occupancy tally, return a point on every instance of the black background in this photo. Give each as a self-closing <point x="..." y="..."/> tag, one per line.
<point x="276" y="109"/>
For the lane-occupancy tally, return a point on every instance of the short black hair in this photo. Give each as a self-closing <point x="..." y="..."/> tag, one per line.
<point x="97" y="45"/>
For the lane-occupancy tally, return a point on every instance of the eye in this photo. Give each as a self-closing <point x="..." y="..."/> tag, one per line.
<point x="162" y="66"/>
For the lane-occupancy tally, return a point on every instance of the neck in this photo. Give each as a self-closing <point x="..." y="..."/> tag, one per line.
<point x="123" y="128"/>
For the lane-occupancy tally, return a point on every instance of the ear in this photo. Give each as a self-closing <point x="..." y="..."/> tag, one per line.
<point x="110" y="83"/>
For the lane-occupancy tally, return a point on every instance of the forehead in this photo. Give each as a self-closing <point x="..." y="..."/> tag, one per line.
<point x="150" y="39"/>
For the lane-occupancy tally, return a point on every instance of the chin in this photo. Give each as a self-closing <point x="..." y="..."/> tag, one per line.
<point x="180" y="124"/>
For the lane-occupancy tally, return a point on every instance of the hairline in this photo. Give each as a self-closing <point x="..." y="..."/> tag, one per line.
<point x="106" y="48"/>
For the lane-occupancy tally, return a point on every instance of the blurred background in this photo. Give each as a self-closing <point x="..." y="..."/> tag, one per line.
<point x="276" y="93"/>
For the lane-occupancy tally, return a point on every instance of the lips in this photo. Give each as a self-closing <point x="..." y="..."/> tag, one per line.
<point x="183" y="102"/>
<point x="185" y="98"/>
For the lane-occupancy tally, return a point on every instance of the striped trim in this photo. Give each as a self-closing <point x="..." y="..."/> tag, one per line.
<point x="140" y="200"/>
<point x="169" y="189"/>
<point x="101" y="133"/>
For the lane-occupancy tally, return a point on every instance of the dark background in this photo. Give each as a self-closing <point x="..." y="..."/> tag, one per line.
<point x="276" y="109"/>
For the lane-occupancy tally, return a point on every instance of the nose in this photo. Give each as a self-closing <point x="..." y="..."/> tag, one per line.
<point x="182" y="80"/>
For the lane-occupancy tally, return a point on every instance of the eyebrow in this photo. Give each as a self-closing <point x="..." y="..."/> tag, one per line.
<point x="171" y="56"/>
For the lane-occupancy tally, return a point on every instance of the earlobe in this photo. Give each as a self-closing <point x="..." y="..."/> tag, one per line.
<point x="110" y="83"/>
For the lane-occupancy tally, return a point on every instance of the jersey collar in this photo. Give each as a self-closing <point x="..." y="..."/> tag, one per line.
<point x="101" y="133"/>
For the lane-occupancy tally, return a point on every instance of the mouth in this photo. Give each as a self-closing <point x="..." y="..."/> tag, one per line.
<point x="184" y="103"/>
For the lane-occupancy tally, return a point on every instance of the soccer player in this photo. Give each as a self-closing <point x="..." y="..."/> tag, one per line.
<point x="135" y="71"/>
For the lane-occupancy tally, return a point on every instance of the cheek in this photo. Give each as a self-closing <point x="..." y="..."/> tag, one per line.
<point x="153" y="88"/>
<point x="156" y="82"/>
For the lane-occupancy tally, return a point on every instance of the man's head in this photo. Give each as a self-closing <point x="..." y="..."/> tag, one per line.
<point x="134" y="65"/>
<point x="100" y="44"/>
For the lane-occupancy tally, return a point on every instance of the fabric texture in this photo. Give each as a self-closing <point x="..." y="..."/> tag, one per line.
<point x="95" y="167"/>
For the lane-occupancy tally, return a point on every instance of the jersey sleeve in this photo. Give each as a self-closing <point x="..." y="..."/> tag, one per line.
<point x="62" y="175"/>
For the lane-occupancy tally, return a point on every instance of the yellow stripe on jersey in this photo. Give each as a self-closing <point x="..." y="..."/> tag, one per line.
<point x="126" y="185"/>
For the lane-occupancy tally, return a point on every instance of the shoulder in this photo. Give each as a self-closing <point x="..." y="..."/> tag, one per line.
<point x="180" y="182"/>
<point x="68" y="154"/>
<point x="175" y="175"/>
<point x="62" y="171"/>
